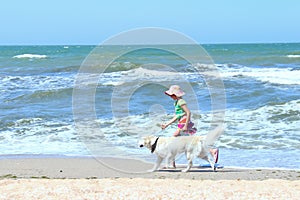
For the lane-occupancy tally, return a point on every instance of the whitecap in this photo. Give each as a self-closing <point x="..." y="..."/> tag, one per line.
<point x="293" y="56"/>
<point x="36" y="82"/>
<point x="30" y="56"/>
<point x="130" y="76"/>
<point x="284" y="76"/>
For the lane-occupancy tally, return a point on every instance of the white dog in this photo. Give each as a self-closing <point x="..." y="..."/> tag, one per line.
<point x="192" y="146"/>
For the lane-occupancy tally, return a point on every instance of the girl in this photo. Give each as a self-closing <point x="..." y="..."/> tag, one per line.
<point x="183" y="116"/>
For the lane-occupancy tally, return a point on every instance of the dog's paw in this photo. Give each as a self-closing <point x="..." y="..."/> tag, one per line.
<point x="151" y="170"/>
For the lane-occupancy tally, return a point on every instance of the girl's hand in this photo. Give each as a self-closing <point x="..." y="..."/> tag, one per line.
<point x="163" y="126"/>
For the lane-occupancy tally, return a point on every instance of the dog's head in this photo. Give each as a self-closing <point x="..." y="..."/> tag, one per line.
<point x="147" y="141"/>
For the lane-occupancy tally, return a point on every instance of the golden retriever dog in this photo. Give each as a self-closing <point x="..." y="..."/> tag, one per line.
<point x="193" y="146"/>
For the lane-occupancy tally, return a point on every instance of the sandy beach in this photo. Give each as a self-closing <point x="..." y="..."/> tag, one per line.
<point x="110" y="178"/>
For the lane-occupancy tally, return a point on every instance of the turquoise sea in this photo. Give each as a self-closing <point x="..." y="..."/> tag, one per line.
<point x="261" y="81"/>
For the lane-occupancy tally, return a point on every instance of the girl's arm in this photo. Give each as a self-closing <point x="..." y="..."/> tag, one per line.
<point x="163" y="126"/>
<point x="188" y="116"/>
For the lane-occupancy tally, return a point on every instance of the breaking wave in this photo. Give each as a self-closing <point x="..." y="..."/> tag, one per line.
<point x="37" y="56"/>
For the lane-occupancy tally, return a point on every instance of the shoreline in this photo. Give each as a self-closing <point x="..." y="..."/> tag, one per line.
<point x="62" y="156"/>
<point x="62" y="167"/>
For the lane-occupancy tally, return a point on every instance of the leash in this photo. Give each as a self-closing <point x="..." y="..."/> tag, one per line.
<point x="159" y="133"/>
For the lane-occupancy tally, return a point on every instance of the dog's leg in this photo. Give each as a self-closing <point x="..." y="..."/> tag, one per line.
<point x="211" y="162"/>
<point x="157" y="164"/>
<point x="189" y="157"/>
<point x="172" y="162"/>
<point x="170" y="158"/>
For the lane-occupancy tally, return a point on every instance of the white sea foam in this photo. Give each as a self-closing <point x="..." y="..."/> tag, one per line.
<point x="285" y="76"/>
<point x="39" y="136"/>
<point x="130" y="76"/>
<point x="268" y="127"/>
<point x="293" y="56"/>
<point x="36" y="82"/>
<point x="154" y="75"/>
<point x="37" y="56"/>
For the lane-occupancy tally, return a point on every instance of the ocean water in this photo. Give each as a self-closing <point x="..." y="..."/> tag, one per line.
<point x="261" y="81"/>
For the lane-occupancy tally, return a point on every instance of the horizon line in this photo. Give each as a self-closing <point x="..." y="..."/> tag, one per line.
<point x="217" y="43"/>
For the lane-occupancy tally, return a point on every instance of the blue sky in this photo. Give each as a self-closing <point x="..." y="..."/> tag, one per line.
<point x="92" y="21"/>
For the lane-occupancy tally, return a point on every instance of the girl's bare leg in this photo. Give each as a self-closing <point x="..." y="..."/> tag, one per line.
<point x="177" y="133"/>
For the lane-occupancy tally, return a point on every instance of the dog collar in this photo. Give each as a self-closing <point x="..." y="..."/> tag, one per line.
<point x="153" y="147"/>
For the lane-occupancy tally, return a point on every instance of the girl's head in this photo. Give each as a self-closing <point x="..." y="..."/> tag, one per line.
<point x="175" y="92"/>
<point x="173" y="96"/>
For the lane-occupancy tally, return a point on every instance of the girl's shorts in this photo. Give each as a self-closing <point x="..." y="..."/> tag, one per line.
<point x="191" y="130"/>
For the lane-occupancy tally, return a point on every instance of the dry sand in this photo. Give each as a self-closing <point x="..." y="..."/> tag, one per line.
<point x="139" y="188"/>
<point x="88" y="178"/>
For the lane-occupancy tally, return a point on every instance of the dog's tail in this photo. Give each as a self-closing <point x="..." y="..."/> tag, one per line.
<point x="213" y="135"/>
